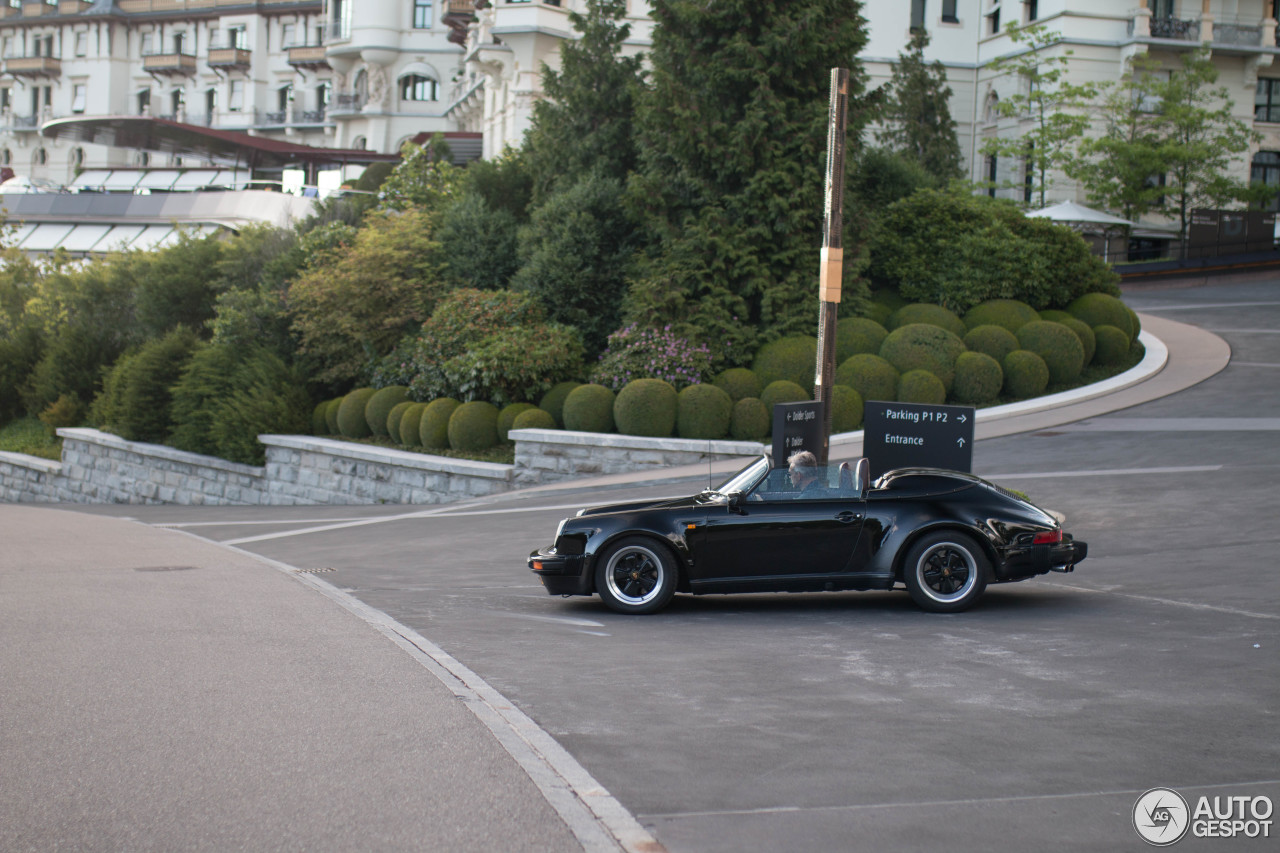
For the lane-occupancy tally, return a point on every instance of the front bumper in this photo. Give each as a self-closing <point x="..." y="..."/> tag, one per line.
<point x="561" y="574"/>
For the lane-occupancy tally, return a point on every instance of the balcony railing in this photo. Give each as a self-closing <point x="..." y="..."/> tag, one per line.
<point x="169" y="63"/>
<point x="346" y="104"/>
<point x="1241" y="34"/>
<point x="229" y="57"/>
<point x="307" y="56"/>
<point x="289" y="118"/>
<point x="1175" y="28"/>
<point x="33" y="66"/>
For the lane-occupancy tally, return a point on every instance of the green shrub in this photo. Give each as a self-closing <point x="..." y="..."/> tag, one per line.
<point x="703" y="411"/>
<point x="920" y="346"/>
<point x="1112" y="345"/>
<point x="855" y="335"/>
<point x="995" y="341"/>
<point x="978" y="379"/>
<point x="319" y="426"/>
<point x="534" y="419"/>
<point x="878" y="313"/>
<point x="351" y="420"/>
<point x="394" y="417"/>
<point x="473" y="426"/>
<point x="410" y="434"/>
<point x="782" y="391"/>
<point x="792" y="358"/>
<point x="636" y="353"/>
<point x="380" y="406"/>
<point x="869" y="375"/>
<point x="889" y="298"/>
<point x="331" y="415"/>
<point x="646" y="407"/>
<point x="846" y="409"/>
<point x="507" y="418"/>
<point x="66" y="411"/>
<point x="553" y="401"/>
<point x="1025" y="374"/>
<point x="433" y="428"/>
<point x="739" y="383"/>
<point x="1061" y="349"/>
<point x="1011" y="314"/>
<point x="1100" y="309"/>
<point x="929" y="314"/>
<point x="1084" y="333"/>
<point x="589" y="408"/>
<point x="515" y="364"/>
<point x="136" y="394"/>
<point x="1134" y="323"/>
<point x="1057" y="315"/>
<point x="750" y="420"/>
<point x="921" y="386"/>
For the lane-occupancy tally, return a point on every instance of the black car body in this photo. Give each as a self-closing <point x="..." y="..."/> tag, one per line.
<point x="944" y="535"/>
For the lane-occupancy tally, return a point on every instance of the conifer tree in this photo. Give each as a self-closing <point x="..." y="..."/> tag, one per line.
<point x="916" y="118"/>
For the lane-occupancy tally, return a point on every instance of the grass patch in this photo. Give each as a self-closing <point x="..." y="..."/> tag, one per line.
<point x="29" y="436"/>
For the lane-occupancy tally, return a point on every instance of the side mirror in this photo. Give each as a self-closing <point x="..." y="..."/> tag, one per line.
<point x="734" y="500"/>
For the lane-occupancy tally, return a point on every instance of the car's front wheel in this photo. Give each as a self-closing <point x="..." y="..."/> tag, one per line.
<point x="946" y="572"/>
<point x="635" y="575"/>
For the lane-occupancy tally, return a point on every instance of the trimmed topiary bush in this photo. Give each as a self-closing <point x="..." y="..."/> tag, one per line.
<point x="927" y="314"/>
<point x="589" y="408"/>
<point x="1134" y="323"/>
<point x="921" y="386"/>
<point x="507" y="418"/>
<point x="1112" y="345"/>
<point x="331" y="415"/>
<point x="869" y="375"/>
<point x="1100" y="309"/>
<point x="351" y="420"/>
<point x="782" y="391"/>
<point x="846" y="409"/>
<point x="1011" y="314"/>
<point x="879" y="313"/>
<point x="394" y="417"/>
<point x="433" y="428"/>
<point x="792" y="358"/>
<point x="739" y="383"/>
<point x="995" y="341"/>
<point x="703" y="411"/>
<point x="979" y="379"/>
<point x="1057" y="345"/>
<point x="920" y="346"/>
<point x="1025" y="374"/>
<point x="646" y="407"/>
<point x="473" y="426"/>
<point x="553" y="401"/>
<point x="410" y="434"/>
<point x="857" y="334"/>
<point x="1084" y="333"/>
<point x="318" y="424"/>
<point x="381" y="404"/>
<point x="750" y="420"/>
<point x="534" y="419"/>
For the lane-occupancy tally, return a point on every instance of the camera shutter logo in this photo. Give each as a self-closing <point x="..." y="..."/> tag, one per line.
<point x="1161" y="816"/>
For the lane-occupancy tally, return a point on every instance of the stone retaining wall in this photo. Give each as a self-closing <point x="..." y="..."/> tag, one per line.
<point x="548" y="455"/>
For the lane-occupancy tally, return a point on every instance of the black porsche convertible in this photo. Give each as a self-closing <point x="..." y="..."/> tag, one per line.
<point x="944" y="535"/>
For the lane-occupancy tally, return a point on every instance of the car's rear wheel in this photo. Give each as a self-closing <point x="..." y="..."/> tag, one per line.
<point x="636" y="575"/>
<point x="946" y="572"/>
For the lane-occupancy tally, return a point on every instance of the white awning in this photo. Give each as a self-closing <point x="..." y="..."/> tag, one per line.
<point x="161" y="179"/>
<point x="195" y="179"/>
<point x="46" y="237"/>
<point x="84" y="237"/>
<point x="121" y="180"/>
<point x="1070" y="212"/>
<point x="151" y="237"/>
<point x="119" y="238"/>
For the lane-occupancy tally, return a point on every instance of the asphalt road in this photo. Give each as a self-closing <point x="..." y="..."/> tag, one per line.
<point x="854" y="721"/>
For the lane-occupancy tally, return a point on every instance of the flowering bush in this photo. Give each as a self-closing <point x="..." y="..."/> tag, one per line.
<point x="635" y="353"/>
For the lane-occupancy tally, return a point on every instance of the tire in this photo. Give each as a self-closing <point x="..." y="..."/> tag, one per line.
<point x="636" y="576"/>
<point x="946" y="572"/>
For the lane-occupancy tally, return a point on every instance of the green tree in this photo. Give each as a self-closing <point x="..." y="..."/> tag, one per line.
<point x="424" y="178"/>
<point x="478" y="243"/>
<point x="916" y="117"/>
<point x="254" y="274"/>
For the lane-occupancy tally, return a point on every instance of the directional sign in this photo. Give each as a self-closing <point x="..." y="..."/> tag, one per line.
<point x="796" y="427"/>
<point x="911" y="435"/>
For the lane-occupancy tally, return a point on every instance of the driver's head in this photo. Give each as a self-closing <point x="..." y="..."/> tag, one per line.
<point x="803" y="467"/>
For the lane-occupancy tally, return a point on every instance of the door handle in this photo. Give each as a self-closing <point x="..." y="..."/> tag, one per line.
<point x="848" y="517"/>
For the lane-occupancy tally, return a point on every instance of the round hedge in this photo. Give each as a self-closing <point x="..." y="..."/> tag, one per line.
<point x="394" y="417"/>
<point x="433" y="428"/>
<point x="1060" y="348"/>
<point x="1011" y="314"/>
<point x="879" y="313"/>
<point x="1025" y="374"/>
<point x="1134" y="323"/>
<point x="921" y="386"/>
<point x="318" y="424"/>
<point x="782" y="391"/>
<point x="857" y="334"/>
<point x="920" y="346"/>
<point x="331" y="415"/>
<point x="381" y="404"/>
<point x="589" y="408"/>
<point x="411" y="424"/>
<point x="750" y="420"/>
<point x="792" y="358"/>
<point x="534" y="419"/>
<point x="1084" y="333"/>
<point x="978" y="379"/>
<point x="891" y="299"/>
<point x="927" y="314"/>
<point x="869" y="375"/>
<point x="1099" y="309"/>
<point x="507" y="418"/>
<point x="473" y="426"/>
<point x="553" y="401"/>
<point x="703" y="411"/>
<point x="846" y="409"/>
<point x="1056" y="315"/>
<point x="646" y="407"/>
<point x="351" y="422"/>
<point x="1112" y="345"/>
<point x="995" y="341"/>
<point x="739" y="383"/>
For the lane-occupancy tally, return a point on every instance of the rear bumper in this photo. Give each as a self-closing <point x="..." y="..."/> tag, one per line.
<point x="561" y="574"/>
<point x="1031" y="560"/>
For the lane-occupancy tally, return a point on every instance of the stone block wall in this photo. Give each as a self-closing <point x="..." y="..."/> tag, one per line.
<point x="549" y="455"/>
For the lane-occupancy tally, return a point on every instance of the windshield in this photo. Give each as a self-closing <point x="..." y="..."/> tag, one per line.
<point x="746" y="478"/>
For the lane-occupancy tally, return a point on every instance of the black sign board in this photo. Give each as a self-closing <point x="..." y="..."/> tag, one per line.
<point x="911" y="435"/>
<point x="796" y="427"/>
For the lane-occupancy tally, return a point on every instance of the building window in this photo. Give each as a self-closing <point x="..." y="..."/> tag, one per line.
<point x="323" y="92"/>
<point x="42" y="46"/>
<point x="178" y="102"/>
<point x="421" y="14"/>
<point x="415" y="87"/>
<point x="992" y="171"/>
<point x="1028" y="173"/>
<point x="949" y="12"/>
<point x="238" y="37"/>
<point x="1162" y="9"/>
<point x="235" y="95"/>
<point x="1266" y="100"/>
<point x="179" y="40"/>
<point x="40" y="157"/>
<point x="210" y="103"/>
<point x="358" y="143"/>
<point x="917" y="15"/>
<point x="6" y="96"/>
<point x="1033" y="10"/>
<point x="993" y="22"/>
<point x="6" y="157"/>
<point x="147" y="41"/>
<point x="288" y="35"/>
<point x="144" y="102"/>
<point x="1266" y="170"/>
<point x="77" y="157"/>
<point x="79" y="95"/>
<point x="284" y="97"/>
<point x="82" y="44"/>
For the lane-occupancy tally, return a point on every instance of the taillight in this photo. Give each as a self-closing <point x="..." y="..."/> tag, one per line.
<point x="1048" y="537"/>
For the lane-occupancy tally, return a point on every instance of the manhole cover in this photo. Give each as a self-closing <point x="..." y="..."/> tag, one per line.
<point x="165" y="569"/>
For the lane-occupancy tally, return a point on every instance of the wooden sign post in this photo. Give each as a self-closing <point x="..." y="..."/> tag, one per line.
<point x="831" y="269"/>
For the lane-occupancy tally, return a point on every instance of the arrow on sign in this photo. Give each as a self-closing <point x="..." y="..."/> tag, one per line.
<point x="962" y="419"/>
<point x="960" y="442"/>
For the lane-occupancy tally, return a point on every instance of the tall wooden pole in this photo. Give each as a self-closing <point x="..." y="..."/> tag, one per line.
<point x="832" y="258"/>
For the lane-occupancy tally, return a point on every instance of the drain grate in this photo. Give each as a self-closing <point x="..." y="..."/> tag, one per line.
<point x="165" y="569"/>
<point x="315" y="571"/>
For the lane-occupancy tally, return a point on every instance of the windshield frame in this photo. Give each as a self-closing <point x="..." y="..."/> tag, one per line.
<point x="746" y="479"/>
